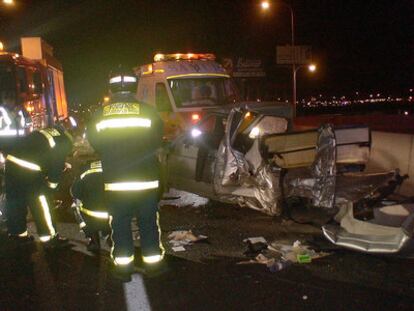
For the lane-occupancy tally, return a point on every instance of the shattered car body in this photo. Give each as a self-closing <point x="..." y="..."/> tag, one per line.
<point x="249" y="156"/>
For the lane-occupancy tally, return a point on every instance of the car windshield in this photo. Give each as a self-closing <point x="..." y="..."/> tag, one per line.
<point x="202" y="92"/>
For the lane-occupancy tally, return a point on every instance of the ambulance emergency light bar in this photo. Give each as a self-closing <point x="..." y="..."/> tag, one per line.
<point x="181" y="56"/>
<point x="118" y="79"/>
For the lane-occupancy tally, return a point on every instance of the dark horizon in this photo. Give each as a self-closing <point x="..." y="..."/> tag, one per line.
<point x="366" y="46"/>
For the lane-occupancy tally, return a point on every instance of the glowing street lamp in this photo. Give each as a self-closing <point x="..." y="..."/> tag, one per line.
<point x="265" y="5"/>
<point x="8" y="2"/>
<point x="311" y="68"/>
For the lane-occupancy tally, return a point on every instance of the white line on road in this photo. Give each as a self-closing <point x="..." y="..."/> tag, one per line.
<point x="136" y="295"/>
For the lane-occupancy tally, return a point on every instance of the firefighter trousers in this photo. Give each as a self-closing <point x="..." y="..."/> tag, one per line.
<point x="27" y="189"/>
<point x="123" y="206"/>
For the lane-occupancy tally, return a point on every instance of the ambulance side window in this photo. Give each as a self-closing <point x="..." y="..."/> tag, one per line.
<point x="37" y="81"/>
<point x="22" y="79"/>
<point x="162" y="101"/>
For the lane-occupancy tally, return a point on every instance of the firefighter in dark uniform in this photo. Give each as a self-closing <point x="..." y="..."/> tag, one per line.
<point x="127" y="135"/>
<point x="34" y="166"/>
<point x="90" y="207"/>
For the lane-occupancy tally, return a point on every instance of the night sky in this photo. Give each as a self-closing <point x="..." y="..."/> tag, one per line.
<point x="365" y="46"/>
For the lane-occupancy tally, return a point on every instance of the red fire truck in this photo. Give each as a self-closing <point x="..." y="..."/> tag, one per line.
<point x="31" y="89"/>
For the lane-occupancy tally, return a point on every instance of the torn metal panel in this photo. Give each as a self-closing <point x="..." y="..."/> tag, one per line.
<point x="257" y="188"/>
<point x="369" y="237"/>
<point x="324" y="169"/>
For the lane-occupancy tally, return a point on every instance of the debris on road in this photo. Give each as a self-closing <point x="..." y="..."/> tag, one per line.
<point x="183" y="199"/>
<point x="255" y="245"/>
<point x="181" y="238"/>
<point x="278" y="256"/>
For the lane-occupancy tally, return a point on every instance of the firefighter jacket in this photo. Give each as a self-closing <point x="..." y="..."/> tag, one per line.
<point x="89" y="187"/>
<point x="127" y="135"/>
<point x="44" y="151"/>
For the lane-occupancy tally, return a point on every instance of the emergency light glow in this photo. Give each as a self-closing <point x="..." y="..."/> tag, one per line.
<point x="122" y="261"/>
<point x="123" y="123"/>
<point x="130" y="79"/>
<point x="180" y="56"/>
<point x="116" y="79"/>
<point x="132" y="186"/>
<point x="152" y="259"/>
<point x="195" y="117"/>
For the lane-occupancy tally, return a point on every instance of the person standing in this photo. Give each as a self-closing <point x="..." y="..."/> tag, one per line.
<point x="90" y="207"/>
<point x="34" y="166"/>
<point x="127" y="135"/>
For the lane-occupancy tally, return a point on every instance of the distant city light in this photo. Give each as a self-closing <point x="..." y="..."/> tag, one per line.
<point x="406" y="113"/>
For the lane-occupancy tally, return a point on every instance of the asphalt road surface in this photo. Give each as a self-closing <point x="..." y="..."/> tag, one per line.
<point x="206" y="275"/>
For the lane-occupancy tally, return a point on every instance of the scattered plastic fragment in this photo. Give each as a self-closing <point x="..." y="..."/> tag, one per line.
<point x="184" y="237"/>
<point x="178" y="249"/>
<point x="303" y="258"/>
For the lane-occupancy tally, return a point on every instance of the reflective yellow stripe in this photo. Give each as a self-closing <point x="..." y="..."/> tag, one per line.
<point x="159" y="235"/>
<point x="218" y="75"/>
<point x="101" y="215"/>
<point x="91" y="171"/>
<point x="132" y="186"/>
<point x="45" y="238"/>
<point x="122" y="261"/>
<point x="47" y="215"/>
<point x="23" y="163"/>
<point x="52" y="185"/>
<point x="24" y="234"/>
<point x="10" y="132"/>
<point x="123" y="123"/>
<point x="152" y="259"/>
<point x="49" y="138"/>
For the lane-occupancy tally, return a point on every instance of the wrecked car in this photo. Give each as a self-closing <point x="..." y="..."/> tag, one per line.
<point x="250" y="156"/>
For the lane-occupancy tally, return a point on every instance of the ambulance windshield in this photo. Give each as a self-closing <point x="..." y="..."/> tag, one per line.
<point x="202" y="92"/>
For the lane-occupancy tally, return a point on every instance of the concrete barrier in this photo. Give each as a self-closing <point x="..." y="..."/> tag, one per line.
<point x="390" y="151"/>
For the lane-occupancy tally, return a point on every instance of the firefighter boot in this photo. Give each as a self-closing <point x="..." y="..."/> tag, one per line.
<point x="57" y="242"/>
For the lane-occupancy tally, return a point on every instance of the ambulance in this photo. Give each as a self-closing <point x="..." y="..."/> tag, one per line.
<point x="180" y="86"/>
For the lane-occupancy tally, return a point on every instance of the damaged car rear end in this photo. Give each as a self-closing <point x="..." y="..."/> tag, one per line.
<point x="250" y="156"/>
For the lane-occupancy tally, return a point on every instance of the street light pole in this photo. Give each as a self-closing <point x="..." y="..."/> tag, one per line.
<point x="266" y="6"/>
<point x="311" y="68"/>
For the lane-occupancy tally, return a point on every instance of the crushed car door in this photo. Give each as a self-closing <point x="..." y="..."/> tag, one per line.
<point x="192" y="157"/>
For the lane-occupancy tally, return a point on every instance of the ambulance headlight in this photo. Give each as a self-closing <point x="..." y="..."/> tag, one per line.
<point x="73" y="121"/>
<point x="195" y="132"/>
